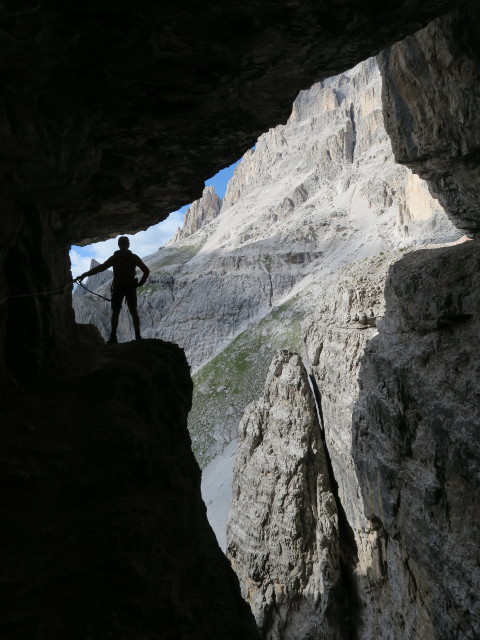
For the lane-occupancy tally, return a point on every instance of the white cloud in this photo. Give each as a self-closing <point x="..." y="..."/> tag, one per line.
<point x="142" y="243"/>
<point x="80" y="264"/>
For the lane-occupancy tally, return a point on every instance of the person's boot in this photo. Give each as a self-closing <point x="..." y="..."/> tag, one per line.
<point x="112" y="340"/>
<point x="138" y="336"/>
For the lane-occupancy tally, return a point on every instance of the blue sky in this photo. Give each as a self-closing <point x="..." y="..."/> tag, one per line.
<point x="221" y="179"/>
<point x="144" y="242"/>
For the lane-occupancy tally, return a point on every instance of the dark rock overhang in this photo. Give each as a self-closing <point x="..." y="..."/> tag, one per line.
<point x="114" y="113"/>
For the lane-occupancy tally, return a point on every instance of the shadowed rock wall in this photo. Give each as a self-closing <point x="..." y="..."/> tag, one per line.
<point x="104" y="533"/>
<point x="432" y="110"/>
<point x="33" y="258"/>
<point x="416" y="444"/>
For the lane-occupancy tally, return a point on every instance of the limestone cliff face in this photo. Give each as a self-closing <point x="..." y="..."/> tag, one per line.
<point x="400" y="415"/>
<point x="336" y="332"/>
<point x="432" y="102"/>
<point x="104" y="533"/>
<point x="200" y="213"/>
<point x="283" y="530"/>
<point x="416" y="442"/>
<point x="336" y="336"/>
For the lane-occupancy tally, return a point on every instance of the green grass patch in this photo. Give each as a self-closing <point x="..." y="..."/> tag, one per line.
<point x="146" y="289"/>
<point x="235" y="377"/>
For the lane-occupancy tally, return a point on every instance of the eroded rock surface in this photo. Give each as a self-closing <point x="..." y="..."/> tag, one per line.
<point x="432" y="106"/>
<point x="416" y="443"/>
<point x="200" y="213"/>
<point x="283" y="536"/>
<point x="398" y="408"/>
<point x="336" y="332"/>
<point x="336" y="336"/>
<point x="104" y="533"/>
<point x="397" y="386"/>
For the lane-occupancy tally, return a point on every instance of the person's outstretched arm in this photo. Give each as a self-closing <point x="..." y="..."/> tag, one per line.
<point x="146" y="271"/>
<point x="100" y="267"/>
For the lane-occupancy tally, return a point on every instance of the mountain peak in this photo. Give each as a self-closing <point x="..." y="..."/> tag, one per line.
<point x="200" y="213"/>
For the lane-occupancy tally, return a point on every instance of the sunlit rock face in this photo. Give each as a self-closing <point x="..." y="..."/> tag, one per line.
<point x="110" y="120"/>
<point x="266" y="551"/>
<point x="104" y="532"/>
<point x="200" y="213"/>
<point x="336" y="335"/>
<point x="392" y="404"/>
<point x="397" y="392"/>
<point x="283" y="532"/>
<point x="432" y="104"/>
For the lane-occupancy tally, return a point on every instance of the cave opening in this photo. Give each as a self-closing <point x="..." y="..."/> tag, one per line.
<point x="142" y="123"/>
<point x="150" y="240"/>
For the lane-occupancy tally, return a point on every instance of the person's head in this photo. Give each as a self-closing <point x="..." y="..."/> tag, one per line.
<point x="123" y="242"/>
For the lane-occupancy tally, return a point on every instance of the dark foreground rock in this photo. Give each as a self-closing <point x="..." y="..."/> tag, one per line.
<point x="104" y="533"/>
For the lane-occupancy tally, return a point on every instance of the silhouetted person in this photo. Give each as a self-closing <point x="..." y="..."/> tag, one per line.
<point x="124" y="263"/>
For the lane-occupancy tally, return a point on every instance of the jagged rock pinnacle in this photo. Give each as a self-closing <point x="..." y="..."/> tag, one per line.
<point x="200" y="213"/>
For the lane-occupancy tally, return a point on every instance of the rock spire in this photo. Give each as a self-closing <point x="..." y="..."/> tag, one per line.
<point x="283" y="537"/>
<point x="200" y="213"/>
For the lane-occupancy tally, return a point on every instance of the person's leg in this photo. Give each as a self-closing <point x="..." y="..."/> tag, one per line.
<point x="136" y="324"/>
<point x="131" y="297"/>
<point x="113" y="333"/>
<point x="117" y="299"/>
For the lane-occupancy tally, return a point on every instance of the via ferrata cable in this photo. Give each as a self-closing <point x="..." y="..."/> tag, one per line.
<point x="51" y="293"/>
